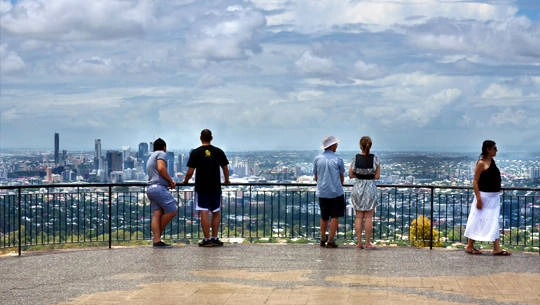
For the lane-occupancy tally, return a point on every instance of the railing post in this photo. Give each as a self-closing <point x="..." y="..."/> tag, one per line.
<point x="110" y="216"/>
<point x="19" y="220"/>
<point x="432" y="220"/>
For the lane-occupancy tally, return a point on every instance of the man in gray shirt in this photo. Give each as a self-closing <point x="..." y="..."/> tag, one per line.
<point x="163" y="204"/>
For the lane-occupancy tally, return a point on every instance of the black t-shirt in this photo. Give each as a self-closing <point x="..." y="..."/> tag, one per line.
<point x="207" y="161"/>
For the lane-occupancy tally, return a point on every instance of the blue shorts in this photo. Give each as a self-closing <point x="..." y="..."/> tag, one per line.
<point x="161" y="198"/>
<point x="332" y="207"/>
<point x="208" y="201"/>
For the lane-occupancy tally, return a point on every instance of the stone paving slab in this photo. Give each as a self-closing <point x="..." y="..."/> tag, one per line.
<point x="269" y="274"/>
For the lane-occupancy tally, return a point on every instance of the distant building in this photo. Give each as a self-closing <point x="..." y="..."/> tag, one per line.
<point x="97" y="155"/>
<point x="534" y="172"/>
<point x="56" y="149"/>
<point x="142" y="153"/>
<point x="170" y="163"/>
<point x="180" y="167"/>
<point x="240" y="167"/>
<point x="115" y="162"/>
<point x="48" y="175"/>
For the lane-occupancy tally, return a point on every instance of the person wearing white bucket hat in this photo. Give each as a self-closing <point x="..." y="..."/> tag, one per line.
<point x="329" y="170"/>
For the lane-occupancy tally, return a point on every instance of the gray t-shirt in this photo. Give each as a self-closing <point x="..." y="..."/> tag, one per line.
<point x="151" y="168"/>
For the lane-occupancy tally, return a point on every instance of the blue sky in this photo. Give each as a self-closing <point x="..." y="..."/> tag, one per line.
<point x="271" y="74"/>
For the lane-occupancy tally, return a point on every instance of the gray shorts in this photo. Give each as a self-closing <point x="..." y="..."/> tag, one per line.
<point x="161" y="198"/>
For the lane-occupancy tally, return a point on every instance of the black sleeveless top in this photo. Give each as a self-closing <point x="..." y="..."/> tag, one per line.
<point x="490" y="179"/>
<point x="364" y="167"/>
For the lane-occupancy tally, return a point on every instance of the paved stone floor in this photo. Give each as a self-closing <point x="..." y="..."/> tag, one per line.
<point x="249" y="274"/>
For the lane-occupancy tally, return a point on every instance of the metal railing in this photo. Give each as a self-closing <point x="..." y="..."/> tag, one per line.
<point x="416" y="215"/>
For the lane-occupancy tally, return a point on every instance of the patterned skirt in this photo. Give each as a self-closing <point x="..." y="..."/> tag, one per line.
<point x="364" y="195"/>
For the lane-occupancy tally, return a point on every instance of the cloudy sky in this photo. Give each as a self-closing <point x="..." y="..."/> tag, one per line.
<point x="270" y="74"/>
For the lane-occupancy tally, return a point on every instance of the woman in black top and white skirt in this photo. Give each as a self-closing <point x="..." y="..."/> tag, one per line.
<point x="483" y="221"/>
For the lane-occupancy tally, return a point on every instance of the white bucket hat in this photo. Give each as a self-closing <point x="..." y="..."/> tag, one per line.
<point x="329" y="141"/>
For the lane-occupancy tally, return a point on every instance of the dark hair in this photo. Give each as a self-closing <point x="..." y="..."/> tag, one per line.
<point x="159" y="144"/>
<point x="487" y="144"/>
<point x="206" y="135"/>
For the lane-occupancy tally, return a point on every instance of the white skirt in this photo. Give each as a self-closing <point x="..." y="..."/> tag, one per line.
<point x="483" y="225"/>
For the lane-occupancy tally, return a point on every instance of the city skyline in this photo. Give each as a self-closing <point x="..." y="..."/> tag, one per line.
<point x="270" y="75"/>
<point x="55" y="147"/>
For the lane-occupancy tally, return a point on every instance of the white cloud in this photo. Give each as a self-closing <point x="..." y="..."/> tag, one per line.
<point x="9" y="61"/>
<point x="231" y="34"/>
<point x="520" y="37"/>
<point x="308" y="16"/>
<point x="208" y="81"/>
<point x="306" y="95"/>
<point x="368" y="71"/>
<point x="509" y="116"/>
<point x="77" y="20"/>
<point x="496" y="91"/>
<point x="312" y="64"/>
<point x="93" y="66"/>
<point x="425" y="110"/>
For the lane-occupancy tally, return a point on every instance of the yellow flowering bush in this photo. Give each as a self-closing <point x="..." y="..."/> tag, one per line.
<point x="419" y="233"/>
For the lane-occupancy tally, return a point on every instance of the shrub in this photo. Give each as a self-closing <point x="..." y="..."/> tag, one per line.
<point x="420" y="232"/>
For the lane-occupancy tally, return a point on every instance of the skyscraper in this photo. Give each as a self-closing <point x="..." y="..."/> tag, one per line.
<point x="97" y="154"/>
<point x="170" y="163"/>
<point x="143" y="151"/>
<point x="56" y="149"/>
<point x="115" y="162"/>
<point x="180" y="162"/>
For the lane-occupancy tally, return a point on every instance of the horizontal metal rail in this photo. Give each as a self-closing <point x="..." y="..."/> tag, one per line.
<point x="416" y="215"/>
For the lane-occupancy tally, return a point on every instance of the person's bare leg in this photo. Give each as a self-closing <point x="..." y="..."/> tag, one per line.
<point x="368" y="226"/>
<point x="470" y="247"/>
<point x="323" y="227"/>
<point x="205" y="223"/>
<point x="496" y="246"/>
<point x="216" y="220"/>
<point x="334" y="222"/>
<point x="156" y="225"/>
<point x="358" y="228"/>
<point x="165" y="219"/>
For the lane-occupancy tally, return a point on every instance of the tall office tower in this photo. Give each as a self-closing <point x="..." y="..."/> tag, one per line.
<point x="180" y="162"/>
<point x="151" y="146"/>
<point x="115" y="162"/>
<point x="170" y="163"/>
<point x="143" y="151"/>
<point x="126" y="152"/>
<point x="97" y="154"/>
<point x="56" y="148"/>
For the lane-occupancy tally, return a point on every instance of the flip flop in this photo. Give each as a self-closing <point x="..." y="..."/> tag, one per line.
<point x="473" y="251"/>
<point x="502" y="253"/>
<point x="371" y="248"/>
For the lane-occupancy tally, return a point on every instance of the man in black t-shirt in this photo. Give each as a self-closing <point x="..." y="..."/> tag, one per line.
<point x="207" y="160"/>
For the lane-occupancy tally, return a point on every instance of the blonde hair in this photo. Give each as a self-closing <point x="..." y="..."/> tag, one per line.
<point x="365" y="145"/>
